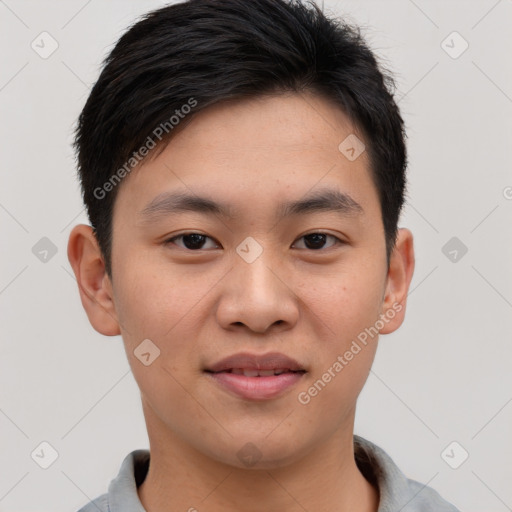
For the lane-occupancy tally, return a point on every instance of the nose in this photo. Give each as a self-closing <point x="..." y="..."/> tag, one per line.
<point x="259" y="296"/>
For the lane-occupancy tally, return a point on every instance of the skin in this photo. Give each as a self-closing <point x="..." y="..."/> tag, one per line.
<point x="201" y="306"/>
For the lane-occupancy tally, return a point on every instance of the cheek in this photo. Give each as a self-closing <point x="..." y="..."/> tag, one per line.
<point x="348" y="306"/>
<point x="154" y="308"/>
<point x="166" y="308"/>
<point x="151" y="301"/>
<point x="347" y="301"/>
<point x="345" y="358"/>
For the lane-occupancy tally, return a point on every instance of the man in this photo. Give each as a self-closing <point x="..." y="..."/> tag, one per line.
<point x="243" y="166"/>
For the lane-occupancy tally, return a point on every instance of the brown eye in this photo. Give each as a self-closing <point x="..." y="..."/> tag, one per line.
<point x="315" y="241"/>
<point x="191" y="241"/>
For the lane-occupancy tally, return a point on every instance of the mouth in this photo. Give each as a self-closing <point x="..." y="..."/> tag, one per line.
<point x="246" y="372"/>
<point x="256" y="377"/>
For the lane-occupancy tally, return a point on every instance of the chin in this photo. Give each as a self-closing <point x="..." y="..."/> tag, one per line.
<point x="259" y="452"/>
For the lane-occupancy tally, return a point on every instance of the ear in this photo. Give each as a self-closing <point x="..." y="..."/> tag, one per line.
<point x="400" y="271"/>
<point x="93" y="282"/>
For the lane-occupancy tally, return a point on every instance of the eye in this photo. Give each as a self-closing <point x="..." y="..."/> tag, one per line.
<point x="191" y="241"/>
<point x="315" y="241"/>
<point x="196" y="241"/>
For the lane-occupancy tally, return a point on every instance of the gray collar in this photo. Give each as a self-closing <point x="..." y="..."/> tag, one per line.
<point x="397" y="492"/>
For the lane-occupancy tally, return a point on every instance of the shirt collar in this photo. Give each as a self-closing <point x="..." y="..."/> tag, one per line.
<point x="395" y="490"/>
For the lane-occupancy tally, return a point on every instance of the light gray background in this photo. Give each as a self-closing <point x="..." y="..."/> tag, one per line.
<point x="444" y="376"/>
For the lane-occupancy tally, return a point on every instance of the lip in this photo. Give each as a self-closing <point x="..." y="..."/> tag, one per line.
<point x="256" y="387"/>
<point x="246" y="360"/>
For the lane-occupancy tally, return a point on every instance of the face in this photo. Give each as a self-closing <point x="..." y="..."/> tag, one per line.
<point x="298" y="290"/>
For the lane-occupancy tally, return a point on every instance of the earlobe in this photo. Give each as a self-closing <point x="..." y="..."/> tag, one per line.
<point x="401" y="269"/>
<point x="94" y="284"/>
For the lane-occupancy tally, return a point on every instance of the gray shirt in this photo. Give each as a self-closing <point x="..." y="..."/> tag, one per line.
<point x="397" y="493"/>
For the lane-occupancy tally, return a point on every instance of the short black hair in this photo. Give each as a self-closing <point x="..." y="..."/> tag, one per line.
<point x="183" y="57"/>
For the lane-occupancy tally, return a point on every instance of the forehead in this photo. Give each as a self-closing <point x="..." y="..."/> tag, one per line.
<point x="256" y="151"/>
<point x="277" y="121"/>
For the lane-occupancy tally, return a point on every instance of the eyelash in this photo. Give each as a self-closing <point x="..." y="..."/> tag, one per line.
<point x="171" y="240"/>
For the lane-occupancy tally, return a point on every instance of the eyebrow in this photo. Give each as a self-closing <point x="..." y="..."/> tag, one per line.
<point x="322" y="200"/>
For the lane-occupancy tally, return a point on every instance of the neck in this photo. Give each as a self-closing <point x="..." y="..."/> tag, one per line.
<point x="182" y="479"/>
